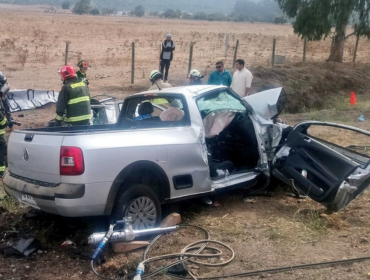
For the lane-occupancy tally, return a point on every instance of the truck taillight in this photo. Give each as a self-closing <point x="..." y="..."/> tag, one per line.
<point x="71" y="161"/>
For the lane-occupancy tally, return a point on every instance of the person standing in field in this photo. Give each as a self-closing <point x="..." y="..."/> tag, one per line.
<point x="220" y="77"/>
<point x="81" y="73"/>
<point x="73" y="99"/>
<point x="168" y="47"/>
<point x="242" y="79"/>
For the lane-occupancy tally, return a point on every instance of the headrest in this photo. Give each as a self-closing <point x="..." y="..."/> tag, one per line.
<point x="145" y="108"/>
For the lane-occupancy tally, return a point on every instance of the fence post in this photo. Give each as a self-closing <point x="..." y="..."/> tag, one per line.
<point x="191" y="55"/>
<point x="226" y="44"/>
<point x="66" y="53"/>
<point x="236" y="52"/>
<point x="356" y="46"/>
<point x="273" y="52"/>
<point x="304" y="49"/>
<point x="133" y="63"/>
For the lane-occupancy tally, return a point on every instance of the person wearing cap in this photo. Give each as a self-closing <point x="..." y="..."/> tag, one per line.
<point x="168" y="47"/>
<point x="220" y="77"/>
<point x="156" y="78"/>
<point x="195" y="78"/>
<point x="81" y="73"/>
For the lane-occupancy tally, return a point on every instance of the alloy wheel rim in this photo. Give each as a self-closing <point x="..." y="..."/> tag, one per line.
<point x="143" y="212"/>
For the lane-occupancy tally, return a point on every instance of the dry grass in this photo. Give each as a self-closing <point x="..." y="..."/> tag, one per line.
<point x="7" y="204"/>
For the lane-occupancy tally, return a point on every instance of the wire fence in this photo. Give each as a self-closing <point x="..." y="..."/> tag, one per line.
<point x="108" y="44"/>
<point x="268" y="52"/>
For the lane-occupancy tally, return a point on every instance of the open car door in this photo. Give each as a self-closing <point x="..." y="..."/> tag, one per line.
<point x="315" y="161"/>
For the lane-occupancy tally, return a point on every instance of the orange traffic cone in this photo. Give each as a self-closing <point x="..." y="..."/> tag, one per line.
<point x="352" y="99"/>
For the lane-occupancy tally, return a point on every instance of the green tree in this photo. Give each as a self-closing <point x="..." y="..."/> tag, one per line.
<point x="314" y="20"/>
<point x="138" y="11"/>
<point x="95" y="12"/>
<point x="82" y="7"/>
<point x="66" y="5"/>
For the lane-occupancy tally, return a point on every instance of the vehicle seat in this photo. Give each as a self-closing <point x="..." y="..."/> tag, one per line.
<point x="172" y="115"/>
<point x="145" y="111"/>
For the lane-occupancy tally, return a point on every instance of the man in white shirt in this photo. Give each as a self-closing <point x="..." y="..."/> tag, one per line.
<point x="242" y="79"/>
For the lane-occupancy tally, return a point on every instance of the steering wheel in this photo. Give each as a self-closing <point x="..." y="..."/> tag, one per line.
<point x="239" y="117"/>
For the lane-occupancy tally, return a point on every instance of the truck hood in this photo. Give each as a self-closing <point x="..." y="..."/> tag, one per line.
<point x="269" y="103"/>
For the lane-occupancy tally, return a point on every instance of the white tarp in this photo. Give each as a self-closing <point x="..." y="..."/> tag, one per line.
<point x="26" y="99"/>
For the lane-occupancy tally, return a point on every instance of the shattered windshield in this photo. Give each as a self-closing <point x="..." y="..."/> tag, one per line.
<point x="220" y="101"/>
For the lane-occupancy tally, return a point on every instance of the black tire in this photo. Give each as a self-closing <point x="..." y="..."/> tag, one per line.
<point x="141" y="203"/>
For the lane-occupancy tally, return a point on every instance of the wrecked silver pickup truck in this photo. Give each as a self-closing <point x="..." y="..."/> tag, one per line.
<point x="175" y="144"/>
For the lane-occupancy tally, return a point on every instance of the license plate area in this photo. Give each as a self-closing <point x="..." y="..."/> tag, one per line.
<point x="28" y="199"/>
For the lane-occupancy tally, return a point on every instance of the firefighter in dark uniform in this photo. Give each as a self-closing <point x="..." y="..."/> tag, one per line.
<point x="73" y="99"/>
<point x="81" y="73"/>
<point x="6" y="120"/>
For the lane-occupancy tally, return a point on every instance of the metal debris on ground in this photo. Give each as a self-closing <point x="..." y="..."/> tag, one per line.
<point x="23" y="248"/>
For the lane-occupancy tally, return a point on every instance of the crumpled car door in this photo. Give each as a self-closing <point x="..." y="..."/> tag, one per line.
<point x="328" y="173"/>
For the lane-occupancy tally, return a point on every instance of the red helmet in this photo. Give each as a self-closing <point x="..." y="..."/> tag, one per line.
<point x="67" y="72"/>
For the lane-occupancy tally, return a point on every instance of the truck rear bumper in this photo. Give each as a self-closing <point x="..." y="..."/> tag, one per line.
<point x="70" y="200"/>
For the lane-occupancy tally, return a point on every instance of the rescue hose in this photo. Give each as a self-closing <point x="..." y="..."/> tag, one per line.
<point x="185" y="256"/>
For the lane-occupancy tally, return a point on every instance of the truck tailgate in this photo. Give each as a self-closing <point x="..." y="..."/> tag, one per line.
<point x="35" y="156"/>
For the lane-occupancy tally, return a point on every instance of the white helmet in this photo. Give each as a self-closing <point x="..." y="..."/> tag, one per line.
<point x="155" y="75"/>
<point x="195" y="73"/>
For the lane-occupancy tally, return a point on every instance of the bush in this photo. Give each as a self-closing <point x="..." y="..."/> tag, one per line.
<point x="280" y="20"/>
<point x="138" y="11"/>
<point x="82" y="7"/>
<point x="95" y="12"/>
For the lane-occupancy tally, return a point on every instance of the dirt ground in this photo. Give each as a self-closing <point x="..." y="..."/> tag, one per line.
<point x="265" y="231"/>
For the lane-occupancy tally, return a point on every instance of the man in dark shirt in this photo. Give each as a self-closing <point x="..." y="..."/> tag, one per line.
<point x="168" y="46"/>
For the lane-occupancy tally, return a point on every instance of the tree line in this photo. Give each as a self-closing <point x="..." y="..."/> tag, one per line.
<point x="311" y="19"/>
<point x="243" y="10"/>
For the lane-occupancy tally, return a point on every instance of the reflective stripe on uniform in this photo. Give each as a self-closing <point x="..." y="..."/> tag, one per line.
<point x="2" y="168"/>
<point x="79" y="118"/>
<point x="59" y="118"/>
<point x="2" y="131"/>
<point x="76" y="85"/>
<point x="78" y="100"/>
<point x="3" y="121"/>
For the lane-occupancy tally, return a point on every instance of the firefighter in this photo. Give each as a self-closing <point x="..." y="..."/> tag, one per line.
<point x="6" y="120"/>
<point x="73" y="99"/>
<point x="81" y="73"/>
<point x="156" y="78"/>
<point x="195" y="77"/>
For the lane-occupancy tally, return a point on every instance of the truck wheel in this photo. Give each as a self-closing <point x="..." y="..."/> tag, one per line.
<point x="141" y="203"/>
